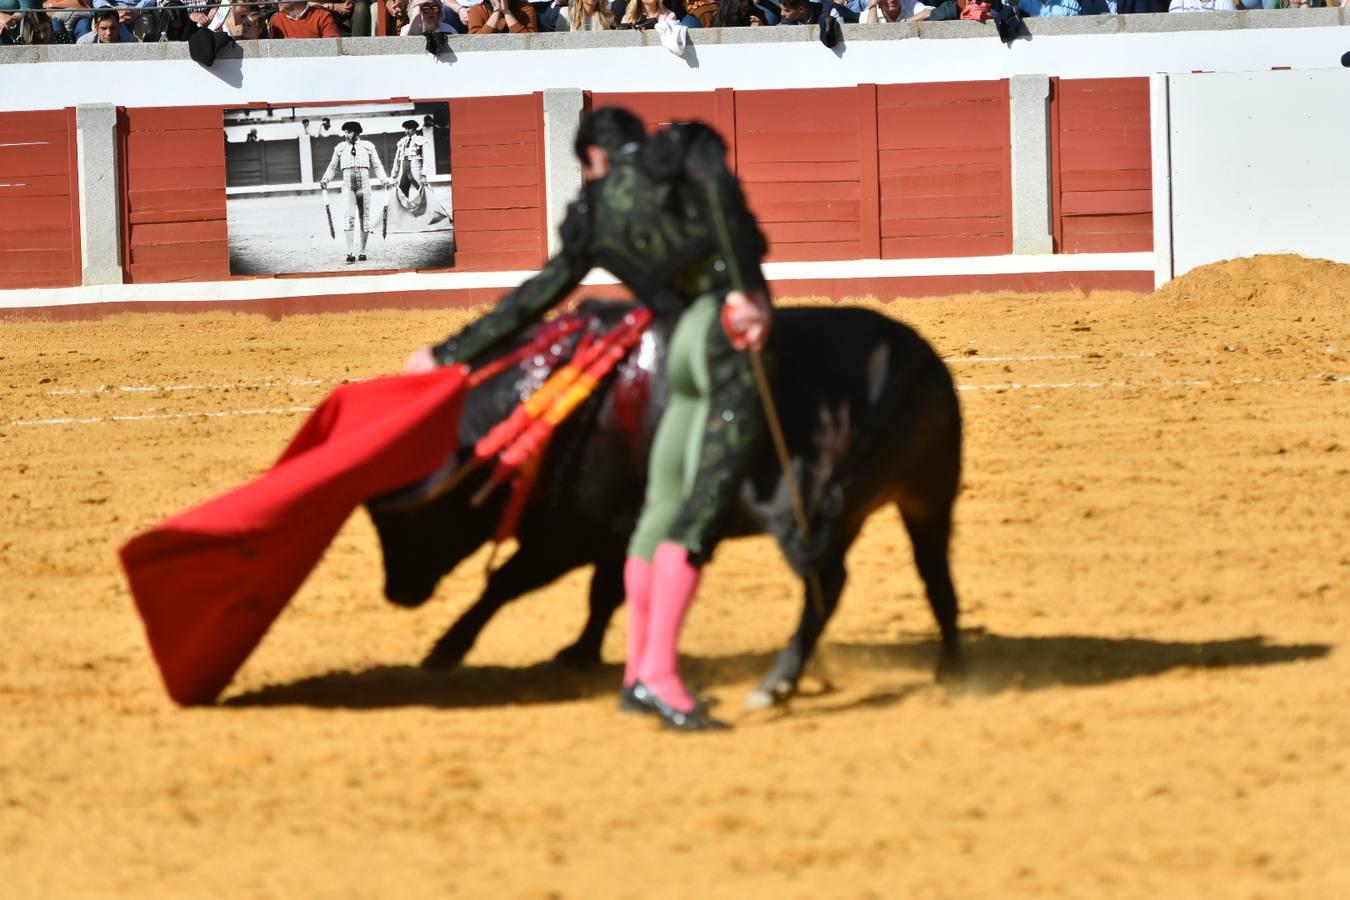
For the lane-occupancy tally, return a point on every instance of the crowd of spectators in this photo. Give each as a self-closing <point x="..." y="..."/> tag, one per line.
<point x="122" y="21"/>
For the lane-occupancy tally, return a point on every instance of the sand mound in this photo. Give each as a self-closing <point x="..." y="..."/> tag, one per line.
<point x="1260" y="281"/>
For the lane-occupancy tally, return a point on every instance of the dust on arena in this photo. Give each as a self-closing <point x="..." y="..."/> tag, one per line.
<point x="1152" y="551"/>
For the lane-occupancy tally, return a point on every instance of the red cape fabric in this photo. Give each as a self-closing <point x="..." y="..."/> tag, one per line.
<point x="209" y="582"/>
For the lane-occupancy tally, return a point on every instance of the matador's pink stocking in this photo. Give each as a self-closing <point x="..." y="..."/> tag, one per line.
<point x="673" y="583"/>
<point x="637" y="586"/>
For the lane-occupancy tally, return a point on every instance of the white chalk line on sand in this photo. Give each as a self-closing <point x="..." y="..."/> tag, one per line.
<point x="1002" y="387"/>
<point x="148" y="417"/>
<point x="1183" y="383"/>
<point x="229" y="386"/>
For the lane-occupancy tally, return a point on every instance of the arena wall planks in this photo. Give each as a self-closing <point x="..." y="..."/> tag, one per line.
<point x="945" y="161"/>
<point x="39" y="202"/>
<point x="496" y="157"/>
<point x="174" y="221"/>
<point x="1102" y="179"/>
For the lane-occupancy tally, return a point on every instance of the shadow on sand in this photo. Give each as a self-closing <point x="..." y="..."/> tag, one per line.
<point x="995" y="663"/>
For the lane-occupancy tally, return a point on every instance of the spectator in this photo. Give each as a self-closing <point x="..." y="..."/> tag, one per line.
<point x="1044" y="8"/>
<point x="351" y="16"/>
<point x="742" y="14"/>
<point x="65" y="15"/>
<point x="642" y="15"/>
<point x="245" y="23"/>
<point x="427" y="16"/>
<point x="498" y="16"/>
<point x="585" y="15"/>
<point x="298" y="19"/>
<point x="1185" y="6"/>
<point x="800" y="12"/>
<point x="129" y="15"/>
<point x="883" y="11"/>
<point x="107" y="29"/>
<point x="28" y="28"/>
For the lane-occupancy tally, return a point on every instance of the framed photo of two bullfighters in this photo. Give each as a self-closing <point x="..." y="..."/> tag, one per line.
<point x="338" y="188"/>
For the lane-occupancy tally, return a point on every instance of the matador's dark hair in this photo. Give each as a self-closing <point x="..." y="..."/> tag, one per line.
<point x="612" y="129"/>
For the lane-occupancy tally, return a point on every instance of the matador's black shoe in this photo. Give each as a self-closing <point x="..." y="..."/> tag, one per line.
<point x="361" y="258"/>
<point x="350" y="259"/>
<point x="640" y="698"/>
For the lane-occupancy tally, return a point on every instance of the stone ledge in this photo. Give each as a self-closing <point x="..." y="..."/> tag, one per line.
<point x="1153" y="23"/>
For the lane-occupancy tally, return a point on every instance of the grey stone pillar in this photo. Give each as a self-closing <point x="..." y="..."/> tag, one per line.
<point x="562" y="172"/>
<point x="1031" y="227"/>
<point x="100" y="201"/>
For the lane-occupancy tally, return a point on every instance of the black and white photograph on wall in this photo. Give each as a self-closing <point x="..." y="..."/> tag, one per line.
<point x="338" y="188"/>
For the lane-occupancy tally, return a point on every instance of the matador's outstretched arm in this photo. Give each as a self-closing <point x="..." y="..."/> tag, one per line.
<point x="527" y="303"/>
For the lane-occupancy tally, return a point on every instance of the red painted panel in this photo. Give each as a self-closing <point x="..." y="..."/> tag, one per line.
<point x="945" y="166"/>
<point x="39" y="215"/>
<point x="42" y="154"/>
<point x="496" y="159"/>
<point x="656" y="110"/>
<point x="785" y="158"/>
<point x="180" y="251"/>
<point x="493" y="116"/>
<point x="173" y="166"/>
<point x="176" y="118"/>
<point x="492" y="197"/>
<point x="1103" y="197"/>
<point x="799" y="172"/>
<point x="493" y="155"/>
<point x="808" y="111"/>
<point x="23" y="123"/>
<point x="493" y="176"/>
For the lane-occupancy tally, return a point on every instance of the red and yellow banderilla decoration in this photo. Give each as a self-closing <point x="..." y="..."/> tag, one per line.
<point x="523" y="435"/>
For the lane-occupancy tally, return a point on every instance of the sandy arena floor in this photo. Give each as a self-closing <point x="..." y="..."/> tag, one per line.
<point x="1153" y="553"/>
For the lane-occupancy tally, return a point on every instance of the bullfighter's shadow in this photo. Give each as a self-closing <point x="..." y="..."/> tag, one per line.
<point x="996" y="663"/>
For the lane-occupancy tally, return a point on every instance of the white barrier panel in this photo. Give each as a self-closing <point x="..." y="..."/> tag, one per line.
<point x="1260" y="164"/>
<point x="287" y="72"/>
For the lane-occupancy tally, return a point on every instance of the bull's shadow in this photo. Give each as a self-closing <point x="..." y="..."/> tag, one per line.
<point x="996" y="663"/>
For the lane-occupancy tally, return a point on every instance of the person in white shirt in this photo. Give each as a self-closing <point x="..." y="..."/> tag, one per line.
<point x="897" y="11"/>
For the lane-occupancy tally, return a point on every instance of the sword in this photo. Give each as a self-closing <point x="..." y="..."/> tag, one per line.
<point x="328" y="212"/>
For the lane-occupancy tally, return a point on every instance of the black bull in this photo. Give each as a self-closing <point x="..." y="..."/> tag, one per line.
<point x="870" y="416"/>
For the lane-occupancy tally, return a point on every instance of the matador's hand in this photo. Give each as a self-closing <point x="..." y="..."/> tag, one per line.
<point x="420" y="362"/>
<point x="746" y="318"/>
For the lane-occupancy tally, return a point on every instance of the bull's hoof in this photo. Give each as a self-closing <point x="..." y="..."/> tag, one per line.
<point x="577" y="658"/>
<point x="770" y="694"/>
<point x="951" y="668"/>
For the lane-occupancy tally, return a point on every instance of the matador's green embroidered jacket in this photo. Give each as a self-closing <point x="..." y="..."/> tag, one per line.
<point x="669" y="221"/>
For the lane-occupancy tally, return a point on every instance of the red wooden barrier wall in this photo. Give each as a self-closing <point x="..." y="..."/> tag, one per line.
<point x="946" y="169"/>
<point x="498" y="191"/>
<point x="173" y="163"/>
<point x="39" y="200"/>
<point x="1102" y="175"/>
<point x="892" y="171"/>
<point x="797" y="155"/>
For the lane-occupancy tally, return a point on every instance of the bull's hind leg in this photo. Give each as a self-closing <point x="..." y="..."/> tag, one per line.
<point x="930" y="532"/>
<point x="606" y="596"/>
<point x="781" y="682"/>
<point x="531" y="567"/>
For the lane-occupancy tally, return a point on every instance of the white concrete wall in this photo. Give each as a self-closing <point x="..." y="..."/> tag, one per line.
<point x="283" y="72"/>
<point x="1260" y="163"/>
